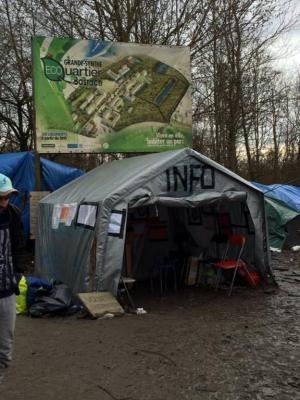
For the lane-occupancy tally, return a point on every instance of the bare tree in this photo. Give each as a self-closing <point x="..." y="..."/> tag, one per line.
<point x="244" y="116"/>
<point x="235" y="66"/>
<point x="16" y="121"/>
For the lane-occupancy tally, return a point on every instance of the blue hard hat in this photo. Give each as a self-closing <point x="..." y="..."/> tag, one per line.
<point x="6" y="186"/>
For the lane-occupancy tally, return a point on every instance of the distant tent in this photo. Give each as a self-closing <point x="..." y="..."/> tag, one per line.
<point x="283" y="224"/>
<point x="20" y="168"/>
<point x="288" y="194"/>
<point x="283" y="214"/>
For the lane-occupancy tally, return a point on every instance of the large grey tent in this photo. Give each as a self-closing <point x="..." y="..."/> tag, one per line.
<point x="159" y="200"/>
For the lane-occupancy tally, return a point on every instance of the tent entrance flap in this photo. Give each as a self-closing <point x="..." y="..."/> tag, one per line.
<point x="157" y="231"/>
<point x="191" y="201"/>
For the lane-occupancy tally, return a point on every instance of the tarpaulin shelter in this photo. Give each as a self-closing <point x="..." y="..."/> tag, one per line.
<point x="283" y="214"/>
<point x="20" y="168"/>
<point x="288" y="194"/>
<point x="283" y="224"/>
<point x="160" y="200"/>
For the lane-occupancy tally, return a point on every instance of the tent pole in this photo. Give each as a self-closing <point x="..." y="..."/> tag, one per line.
<point x="37" y="168"/>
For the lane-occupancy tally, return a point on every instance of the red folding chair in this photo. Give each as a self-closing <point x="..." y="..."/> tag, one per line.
<point x="236" y="243"/>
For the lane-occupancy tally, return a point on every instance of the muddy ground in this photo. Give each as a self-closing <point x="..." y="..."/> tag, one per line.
<point x="197" y="344"/>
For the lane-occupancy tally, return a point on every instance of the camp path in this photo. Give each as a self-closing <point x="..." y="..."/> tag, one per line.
<point x="195" y="345"/>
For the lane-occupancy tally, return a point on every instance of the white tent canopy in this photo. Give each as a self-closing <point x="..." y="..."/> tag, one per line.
<point x="83" y="225"/>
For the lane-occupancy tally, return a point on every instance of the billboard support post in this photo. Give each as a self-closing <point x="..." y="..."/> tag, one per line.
<point x="37" y="161"/>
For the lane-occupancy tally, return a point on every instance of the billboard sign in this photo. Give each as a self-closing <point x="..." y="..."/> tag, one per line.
<point x="95" y="96"/>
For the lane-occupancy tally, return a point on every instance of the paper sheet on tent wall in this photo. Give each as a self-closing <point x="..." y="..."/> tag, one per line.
<point x="34" y="198"/>
<point x="87" y="215"/>
<point x="63" y="213"/>
<point x="116" y="223"/>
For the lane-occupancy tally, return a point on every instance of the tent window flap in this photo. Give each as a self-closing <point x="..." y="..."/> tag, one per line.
<point x="117" y="223"/>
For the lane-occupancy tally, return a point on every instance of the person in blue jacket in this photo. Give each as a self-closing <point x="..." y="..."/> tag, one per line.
<point x="11" y="246"/>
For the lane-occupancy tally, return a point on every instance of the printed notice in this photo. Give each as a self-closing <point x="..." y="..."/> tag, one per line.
<point x="87" y="215"/>
<point x="115" y="223"/>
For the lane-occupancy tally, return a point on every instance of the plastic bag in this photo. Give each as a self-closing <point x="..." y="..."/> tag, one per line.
<point x="36" y="288"/>
<point x="251" y="277"/>
<point x="21" y="302"/>
<point x="58" y="302"/>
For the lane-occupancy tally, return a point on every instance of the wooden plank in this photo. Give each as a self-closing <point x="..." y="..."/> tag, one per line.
<point x="35" y="197"/>
<point x="100" y="303"/>
<point x="191" y="279"/>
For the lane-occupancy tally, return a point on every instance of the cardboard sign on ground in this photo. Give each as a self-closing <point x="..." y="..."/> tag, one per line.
<point x="100" y="303"/>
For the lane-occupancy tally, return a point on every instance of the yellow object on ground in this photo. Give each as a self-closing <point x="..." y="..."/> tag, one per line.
<point x="21" y="303"/>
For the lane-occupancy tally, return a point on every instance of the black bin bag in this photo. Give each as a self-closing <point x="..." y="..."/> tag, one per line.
<point x="58" y="302"/>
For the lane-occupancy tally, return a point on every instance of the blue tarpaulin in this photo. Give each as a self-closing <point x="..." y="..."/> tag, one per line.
<point x="20" y="168"/>
<point x="288" y="194"/>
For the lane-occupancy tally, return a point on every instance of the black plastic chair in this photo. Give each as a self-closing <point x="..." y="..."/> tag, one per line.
<point x="164" y="269"/>
<point x="124" y="295"/>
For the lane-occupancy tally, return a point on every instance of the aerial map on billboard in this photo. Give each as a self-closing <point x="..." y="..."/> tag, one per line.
<point x="95" y="96"/>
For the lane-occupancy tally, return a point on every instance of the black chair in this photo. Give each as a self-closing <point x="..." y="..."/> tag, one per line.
<point x="124" y="295"/>
<point x="165" y="270"/>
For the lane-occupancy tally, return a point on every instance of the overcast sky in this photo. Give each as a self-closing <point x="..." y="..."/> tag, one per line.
<point x="286" y="52"/>
<point x="286" y="49"/>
